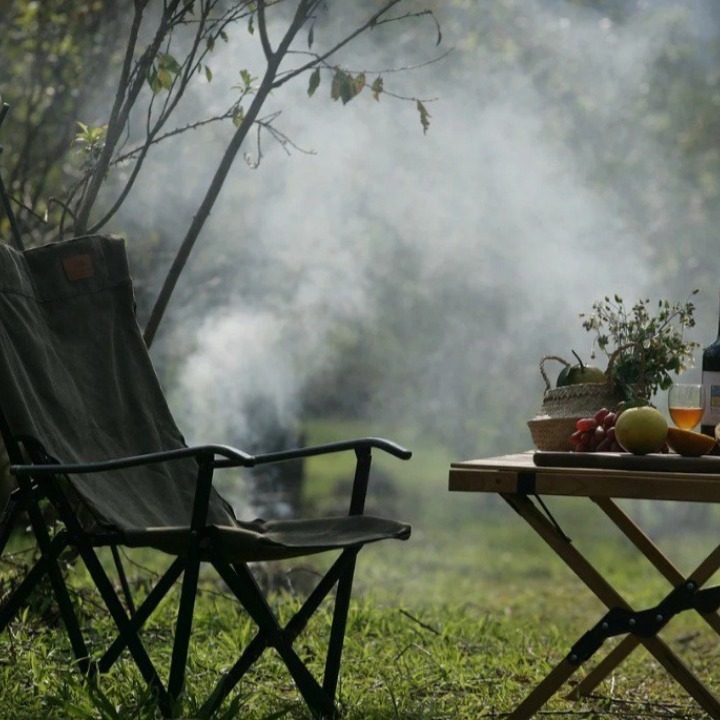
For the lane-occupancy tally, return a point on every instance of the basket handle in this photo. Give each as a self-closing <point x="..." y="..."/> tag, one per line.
<point x="548" y="384"/>
<point x="608" y="372"/>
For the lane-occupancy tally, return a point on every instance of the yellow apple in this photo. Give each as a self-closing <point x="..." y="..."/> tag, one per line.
<point x="641" y="430"/>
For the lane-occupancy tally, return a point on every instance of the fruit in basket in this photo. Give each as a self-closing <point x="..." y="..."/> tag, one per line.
<point x="689" y="443"/>
<point x="641" y="430"/>
<point x="586" y="374"/>
<point x="580" y="374"/>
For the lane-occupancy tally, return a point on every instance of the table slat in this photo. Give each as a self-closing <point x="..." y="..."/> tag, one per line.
<point x="581" y="482"/>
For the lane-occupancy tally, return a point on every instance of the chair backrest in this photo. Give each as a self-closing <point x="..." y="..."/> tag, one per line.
<point x="77" y="378"/>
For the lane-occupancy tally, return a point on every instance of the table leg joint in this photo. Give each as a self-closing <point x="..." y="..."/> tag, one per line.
<point x="644" y="623"/>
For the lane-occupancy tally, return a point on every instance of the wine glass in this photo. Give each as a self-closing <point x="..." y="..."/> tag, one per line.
<point x="686" y="404"/>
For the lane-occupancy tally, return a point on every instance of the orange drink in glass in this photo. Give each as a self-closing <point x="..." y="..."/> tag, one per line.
<point x="686" y="405"/>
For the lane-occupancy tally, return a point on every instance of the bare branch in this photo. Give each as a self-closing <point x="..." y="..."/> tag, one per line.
<point x="28" y="208"/>
<point x="124" y="101"/>
<point x="63" y="205"/>
<point x="283" y="139"/>
<point x="377" y="71"/>
<point x="222" y="171"/>
<point x="78" y="187"/>
<point x="130" y="154"/>
<point x="370" y="22"/>
<point x="262" y="28"/>
<point x="419" y="13"/>
<point x="193" y="60"/>
<point x="85" y="202"/>
<point x="255" y="164"/>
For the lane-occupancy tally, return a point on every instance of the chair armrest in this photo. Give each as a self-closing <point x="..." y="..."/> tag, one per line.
<point x="358" y="444"/>
<point x="231" y="457"/>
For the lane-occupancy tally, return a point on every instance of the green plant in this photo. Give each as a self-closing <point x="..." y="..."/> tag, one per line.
<point x="643" y="348"/>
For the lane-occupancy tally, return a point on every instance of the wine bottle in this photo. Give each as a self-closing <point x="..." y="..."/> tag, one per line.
<point x="711" y="385"/>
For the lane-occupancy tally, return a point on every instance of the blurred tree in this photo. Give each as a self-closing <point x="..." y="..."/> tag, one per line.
<point x="644" y="133"/>
<point x="642" y="130"/>
<point x="630" y="89"/>
<point x="55" y="57"/>
<point x="165" y="47"/>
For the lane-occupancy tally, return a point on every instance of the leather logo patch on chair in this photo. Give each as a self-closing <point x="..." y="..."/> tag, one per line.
<point x="78" y="267"/>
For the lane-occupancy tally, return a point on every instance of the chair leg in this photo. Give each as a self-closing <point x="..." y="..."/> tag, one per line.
<point x="14" y="506"/>
<point x="183" y="627"/>
<point x="125" y="626"/>
<point x="22" y="592"/>
<point x="242" y="583"/>
<point x="228" y="681"/>
<point x="261" y="640"/>
<point x="122" y="577"/>
<point x="145" y="610"/>
<point x="72" y="625"/>
<point x="67" y="612"/>
<point x="337" y="631"/>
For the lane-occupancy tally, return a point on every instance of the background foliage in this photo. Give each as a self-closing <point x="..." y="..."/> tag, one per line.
<point x="638" y="132"/>
<point x="385" y="280"/>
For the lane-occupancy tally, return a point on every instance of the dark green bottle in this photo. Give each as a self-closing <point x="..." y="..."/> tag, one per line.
<point x="711" y="385"/>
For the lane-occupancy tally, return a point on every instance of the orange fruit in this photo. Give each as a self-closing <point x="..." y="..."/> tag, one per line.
<point x="689" y="443"/>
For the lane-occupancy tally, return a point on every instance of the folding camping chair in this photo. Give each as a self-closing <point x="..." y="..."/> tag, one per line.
<point x="87" y="428"/>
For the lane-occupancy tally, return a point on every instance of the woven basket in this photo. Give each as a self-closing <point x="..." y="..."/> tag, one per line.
<point x="552" y="433"/>
<point x="562" y="407"/>
<point x="579" y="400"/>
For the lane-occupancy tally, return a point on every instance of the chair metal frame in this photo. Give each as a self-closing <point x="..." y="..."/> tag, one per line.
<point x="40" y="480"/>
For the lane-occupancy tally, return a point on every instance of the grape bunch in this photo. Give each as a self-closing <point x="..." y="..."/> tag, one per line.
<point x="596" y="433"/>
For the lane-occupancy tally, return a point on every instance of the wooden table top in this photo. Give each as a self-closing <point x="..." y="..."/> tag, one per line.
<point x="616" y="475"/>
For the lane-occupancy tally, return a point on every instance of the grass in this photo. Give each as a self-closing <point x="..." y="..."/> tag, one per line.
<point x="459" y="622"/>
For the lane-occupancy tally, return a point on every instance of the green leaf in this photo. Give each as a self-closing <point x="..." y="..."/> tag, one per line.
<point x="377" y="87"/>
<point x="314" y="82"/>
<point x="424" y="116"/>
<point x="210" y="43"/>
<point x="169" y="63"/>
<point x="208" y="74"/>
<point x="247" y="78"/>
<point x="154" y="81"/>
<point x="311" y="35"/>
<point x="335" y="87"/>
<point x="238" y="117"/>
<point x="345" y="87"/>
<point x="164" y="78"/>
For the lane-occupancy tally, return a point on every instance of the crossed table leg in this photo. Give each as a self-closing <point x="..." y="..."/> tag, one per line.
<point x="642" y="542"/>
<point x="620" y="614"/>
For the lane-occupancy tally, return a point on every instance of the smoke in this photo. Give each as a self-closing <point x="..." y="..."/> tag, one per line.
<point x="235" y="366"/>
<point x="433" y="270"/>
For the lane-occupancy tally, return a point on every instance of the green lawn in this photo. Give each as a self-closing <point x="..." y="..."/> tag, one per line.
<point x="459" y="622"/>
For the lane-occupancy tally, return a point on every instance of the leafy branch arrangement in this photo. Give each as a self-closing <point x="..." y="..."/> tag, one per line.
<point x="647" y="346"/>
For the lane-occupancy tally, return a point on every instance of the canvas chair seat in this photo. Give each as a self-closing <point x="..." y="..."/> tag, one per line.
<point x="261" y="540"/>
<point x="87" y="428"/>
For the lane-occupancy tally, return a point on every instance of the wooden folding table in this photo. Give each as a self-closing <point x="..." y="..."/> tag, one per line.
<point x="523" y="479"/>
